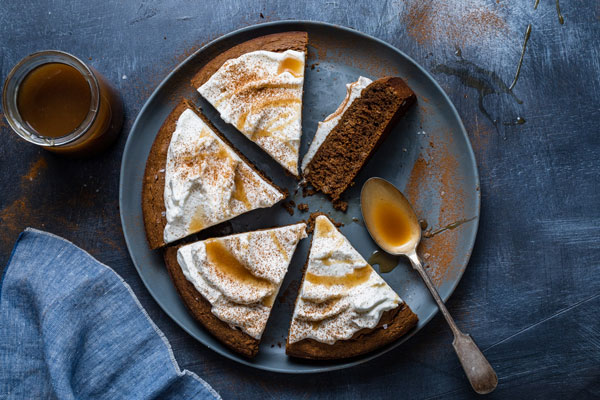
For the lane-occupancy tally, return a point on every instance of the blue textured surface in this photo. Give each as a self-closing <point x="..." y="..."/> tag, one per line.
<point x="531" y="293"/>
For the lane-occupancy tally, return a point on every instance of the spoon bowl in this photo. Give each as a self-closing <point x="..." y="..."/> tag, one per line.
<point x="393" y="225"/>
<point x="384" y="206"/>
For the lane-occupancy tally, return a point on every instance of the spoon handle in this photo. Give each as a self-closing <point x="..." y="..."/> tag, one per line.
<point x="480" y="373"/>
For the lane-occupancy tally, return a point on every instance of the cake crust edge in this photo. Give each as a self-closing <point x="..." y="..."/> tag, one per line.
<point x="153" y="187"/>
<point x="276" y="42"/>
<point x="399" y="321"/>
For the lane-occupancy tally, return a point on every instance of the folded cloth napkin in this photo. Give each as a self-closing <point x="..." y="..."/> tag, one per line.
<point x="71" y="328"/>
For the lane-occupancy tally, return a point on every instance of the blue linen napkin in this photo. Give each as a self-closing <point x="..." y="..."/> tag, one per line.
<point x="71" y="328"/>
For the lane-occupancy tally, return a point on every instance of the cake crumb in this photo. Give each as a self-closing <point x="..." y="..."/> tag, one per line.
<point x="308" y="192"/>
<point x="279" y="344"/>
<point x="303" y="207"/>
<point x="340" y="205"/>
<point x="289" y="206"/>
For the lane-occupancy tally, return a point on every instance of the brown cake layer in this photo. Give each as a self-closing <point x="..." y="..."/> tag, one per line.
<point x="153" y="203"/>
<point x="277" y="42"/>
<point x="399" y="321"/>
<point x="200" y="309"/>
<point x="361" y="129"/>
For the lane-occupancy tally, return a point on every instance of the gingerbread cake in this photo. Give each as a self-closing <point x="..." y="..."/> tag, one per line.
<point x="344" y="308"/>
<point x="346" y="140"/>
<point x="229" y="283"/>
<point x="257" y="87"/>
<point x="194" y="179"/>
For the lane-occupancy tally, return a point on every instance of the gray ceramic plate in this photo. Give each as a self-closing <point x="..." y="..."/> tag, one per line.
<point x="428" y="155"/>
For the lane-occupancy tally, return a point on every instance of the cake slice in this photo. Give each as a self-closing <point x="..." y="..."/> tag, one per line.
<point x="195" y="179"/>
<point x="257" y="87"/>
<point x="344" y="307"/>
<point x="229" y="284"/>
<point x="346" y="140"/>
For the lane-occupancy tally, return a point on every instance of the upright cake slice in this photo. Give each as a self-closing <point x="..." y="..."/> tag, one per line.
<point x="257" y="87"/>
<point x="346" y="140"/>
<point x="344" y="307"/>
<point x="229" y="284"/>
<point x="194" y="179"/>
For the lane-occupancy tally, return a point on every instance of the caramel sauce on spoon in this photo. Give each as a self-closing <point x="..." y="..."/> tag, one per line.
<point x="394" y="226"/>
<point x="54" y="99"/>
<point x="389" y="217"/>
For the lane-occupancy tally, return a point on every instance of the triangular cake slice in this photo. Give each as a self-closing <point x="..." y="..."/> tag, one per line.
<point x="229" y="284"/>
<point x="344" y="307"/>
<point x="348" y="138"/>
<point x="257" y="87"/>
<point x="195" y="179"/>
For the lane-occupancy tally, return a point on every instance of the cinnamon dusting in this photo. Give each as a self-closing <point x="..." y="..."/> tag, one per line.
<point x="429" y="22"/>
<point x="434" y="173"/>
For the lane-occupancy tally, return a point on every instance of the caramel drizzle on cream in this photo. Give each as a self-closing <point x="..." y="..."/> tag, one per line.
<point x="341" y="107"/>
<point x="291" y="65"/>
<point x="356" y="277"/>
<point x="228" y="266"/>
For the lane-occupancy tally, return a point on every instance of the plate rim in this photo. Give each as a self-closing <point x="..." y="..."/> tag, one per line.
<point x="283" y="24"/>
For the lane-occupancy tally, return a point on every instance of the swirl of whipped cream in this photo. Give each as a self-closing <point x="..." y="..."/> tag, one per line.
<point x="206" y="182"/>
<point x="240" y="275"/>
<point x="260" y="93"/>
<point x="341" y="293"/>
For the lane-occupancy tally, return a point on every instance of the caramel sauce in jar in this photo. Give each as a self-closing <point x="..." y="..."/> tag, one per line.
<point x="54" y="100"/>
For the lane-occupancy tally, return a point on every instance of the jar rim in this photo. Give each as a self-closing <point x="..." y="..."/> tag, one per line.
<point x="16" y="77"/>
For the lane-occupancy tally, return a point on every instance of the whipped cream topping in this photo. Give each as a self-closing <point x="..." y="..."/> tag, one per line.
<point x="341" y="293"/>
<point x="260" y="93"/>
<point x="206" y="182"/>
<point x="353" y="91"/>
<point x="240" y="275"/>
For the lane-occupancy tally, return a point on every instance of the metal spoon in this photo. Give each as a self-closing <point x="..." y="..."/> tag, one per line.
<point x="480" y="373"/>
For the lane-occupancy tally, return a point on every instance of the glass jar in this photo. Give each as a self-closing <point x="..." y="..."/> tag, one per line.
<point x="98" y="129"/>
